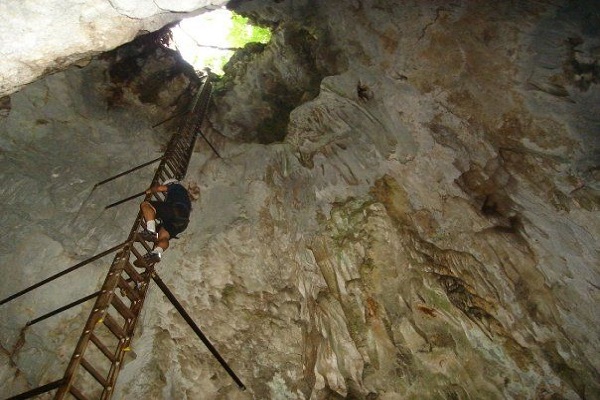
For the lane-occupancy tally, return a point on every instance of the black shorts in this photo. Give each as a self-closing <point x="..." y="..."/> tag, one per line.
<point x="165" y="215"/>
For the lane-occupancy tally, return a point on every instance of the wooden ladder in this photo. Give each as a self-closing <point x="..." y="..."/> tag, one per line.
<point x="93" y="369"/>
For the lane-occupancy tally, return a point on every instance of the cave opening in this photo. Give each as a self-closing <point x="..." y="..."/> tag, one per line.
<point x="210" y="39"/>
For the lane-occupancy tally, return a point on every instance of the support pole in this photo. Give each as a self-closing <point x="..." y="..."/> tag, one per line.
<point x="116" y="203"/>
<point x="170" y="118"/>
<point x="66" y="271"/>
<point x="210" y="144"/>
<point x="196" y="329"/>
<point x="63" y="308"/>
<point x="38" y="390"/>
<point x="127" y="172"/>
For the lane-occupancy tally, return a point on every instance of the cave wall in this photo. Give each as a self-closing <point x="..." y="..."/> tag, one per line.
<point x="40" y="39"/>
<point x="60" y="136"/>
<point x="423" y="224"/>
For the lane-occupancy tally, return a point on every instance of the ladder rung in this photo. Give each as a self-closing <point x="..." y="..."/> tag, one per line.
<point x="77" y="393"/>
<point x="131" y="280"/>
<point x="94" y="372"/>
<point x="133" y="274"/>
<point x="167" y="173"/>
<point x="161" y="175"/>
<point x="122" y="308"/>
<point x="129" y="291"/>
<point x="183" y="144"/>
<point x="102" y="347"/>
<point x="158" y="196"/>
<point x="170" y="164"/>
<point x="114" y="327"/>
<point x="179" y="160"/>
<point x="175" y="154"/>
<point x="169" y="170"/>
<point x="137" y="254"/>
<point x="143" y="243"/>
<point x="179" y="156"/>
<point x="176" y="165"/>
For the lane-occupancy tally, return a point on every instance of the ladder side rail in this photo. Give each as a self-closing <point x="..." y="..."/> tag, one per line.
<point x="97" y="313"/>
<point x="115" y="368"/>
<point x="194" y="126"/>
<point x="177" y="136"/>
<point x="183" y="139"/>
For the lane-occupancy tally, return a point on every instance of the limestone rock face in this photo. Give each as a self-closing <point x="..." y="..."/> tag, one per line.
<point x="289" y="75"/>
<point x="38" y="39"/>
<point x="424" y="223"/>
<point x="60" y="136"/>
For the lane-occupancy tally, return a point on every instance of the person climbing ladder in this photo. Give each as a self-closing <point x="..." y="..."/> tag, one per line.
<point x="164" y="219"/>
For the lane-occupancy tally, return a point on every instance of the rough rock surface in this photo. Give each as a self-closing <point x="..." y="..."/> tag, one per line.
<point x="60" y="136"/>
<point x="36" y="39"/>
<point x="425" y="226"/>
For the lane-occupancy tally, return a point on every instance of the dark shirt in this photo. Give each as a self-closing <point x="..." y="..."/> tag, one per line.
<point x="177" y="194"/>
<point x="174" y="212"/>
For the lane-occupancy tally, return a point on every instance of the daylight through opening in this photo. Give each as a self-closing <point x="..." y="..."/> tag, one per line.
<point x="210" y="39"/>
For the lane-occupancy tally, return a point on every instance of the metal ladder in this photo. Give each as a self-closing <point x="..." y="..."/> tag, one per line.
<point x="93" y="369"/>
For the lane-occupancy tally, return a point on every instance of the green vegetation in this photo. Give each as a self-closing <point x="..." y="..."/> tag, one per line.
<point x="242" y="32"/>
<point x="240" y="35"/>
<point x="216" y="62"/>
